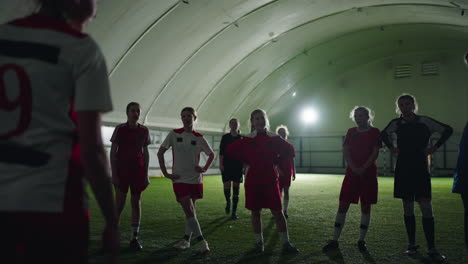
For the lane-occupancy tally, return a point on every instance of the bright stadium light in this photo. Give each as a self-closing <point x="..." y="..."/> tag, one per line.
<point x="309" y="115"/>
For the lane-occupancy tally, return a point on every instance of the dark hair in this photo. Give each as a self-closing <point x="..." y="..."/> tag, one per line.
<point x="132" y="104"/>
<point x="285" y="128"/>
<point x="189" y="109"/>
<point x="238" y="124"/>
<point x="409" y="97"/>
<point x="81" y="10"/>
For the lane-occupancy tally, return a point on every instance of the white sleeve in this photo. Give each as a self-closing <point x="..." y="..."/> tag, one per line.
<point x="205" y="147"/>
<point x="92" y="91"/>
<point x="167" y="143"/>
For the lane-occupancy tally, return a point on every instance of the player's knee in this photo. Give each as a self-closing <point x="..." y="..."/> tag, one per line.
<point x="408" y="208"/>
<point x="366" y="209"/>
<point x="343" y="208"/>
<point x="277" y="214"/>
<point x="235" y="190"/>
<point x="426" y="209"/>
<point x="255" y="213"/>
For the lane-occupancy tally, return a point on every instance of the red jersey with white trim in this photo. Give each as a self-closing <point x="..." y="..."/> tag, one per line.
<point x="186" y="148"/>
<point x="262" y="152"/>
<point x="362" y="144"/>
<point x="130" y="141"/>
<point x="46" y="69"/>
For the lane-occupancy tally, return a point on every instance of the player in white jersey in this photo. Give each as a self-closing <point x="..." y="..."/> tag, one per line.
<point x="52" y="76"/>
<point x="186" y="173"/>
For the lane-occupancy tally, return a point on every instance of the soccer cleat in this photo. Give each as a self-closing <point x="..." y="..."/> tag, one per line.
<point x="331" y="245"/>
<point x="411" y="250"/>
<point x="361" y="244"/>
<point x="203" y="248"/>
<point x="259" y="247"/>
<point x="234" y="216"/>
<point x="436" y="256"/>
<point x="135" y="245"/>
<point x="182" y="244"/>
<point x="289" y="248"/>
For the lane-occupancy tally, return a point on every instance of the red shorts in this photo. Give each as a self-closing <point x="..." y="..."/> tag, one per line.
<point x="136" y="180"/>
<point x="34" y="237"/>
<point x="284" y="181"/>
<point x="262" y="196"/>
<point x="355" y="188"/>
<point x="194" y="191"/>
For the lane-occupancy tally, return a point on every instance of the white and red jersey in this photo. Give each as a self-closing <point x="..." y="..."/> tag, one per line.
<point x="186" y="148"/>
<point x="46" y="69"/>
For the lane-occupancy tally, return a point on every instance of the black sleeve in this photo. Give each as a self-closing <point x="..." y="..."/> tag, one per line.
<point x="463" y="159"/>
<point x="387" y="133"/>
<point x="436" y="126"/>
<point x="222" y="145"/>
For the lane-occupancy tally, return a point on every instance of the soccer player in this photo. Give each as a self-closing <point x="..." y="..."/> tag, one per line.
<point x="187" y="175"/>
<point x="129" y="161"/>
<point x="231" y="169"/>
<point x="412" y="177"/>
<point x="360" y="149"/>
<point x="58" y="79"/>
<point x="261" y="151"/>
<point x="286" y="170"/>
<point x="460" y="177"/>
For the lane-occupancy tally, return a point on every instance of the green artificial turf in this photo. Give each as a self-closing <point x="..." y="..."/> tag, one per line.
<point x="313" y="204"/>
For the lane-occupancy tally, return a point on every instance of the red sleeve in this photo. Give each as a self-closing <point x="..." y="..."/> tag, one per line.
<point x="378" y="139"/>
<point x="347" y="138"/>
<point x="286" y="150"/>
<point x="147" y="137"/>
<point x="115" y="136"/>
<point x="236" y="150"/>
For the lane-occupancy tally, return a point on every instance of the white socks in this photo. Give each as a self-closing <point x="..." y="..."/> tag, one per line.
<point x="339" y="223"/>
<point x="194" y="226"/>
<point x="135" y="230"/>
<point x="259" y="237"/>
<point x="365" y="220"/>
<point x="285" y="205"/>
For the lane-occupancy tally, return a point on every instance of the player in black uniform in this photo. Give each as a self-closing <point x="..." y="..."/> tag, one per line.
<point x="231" y="169"/>
<point x="412" y="176"/>
<point x="460" y="176"/>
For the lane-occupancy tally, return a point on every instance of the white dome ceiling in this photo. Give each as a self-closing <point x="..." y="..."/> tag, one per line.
<point x="227" y="57"/>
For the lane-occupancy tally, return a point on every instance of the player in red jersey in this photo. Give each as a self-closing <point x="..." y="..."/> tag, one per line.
<point x="187" y="175"/>
<point x="262" y="151"/>
<point x="286" y="170"/>
<point x="361" y="149"/>
<point x="129" y="161"/>
<point x="58" y="77"/>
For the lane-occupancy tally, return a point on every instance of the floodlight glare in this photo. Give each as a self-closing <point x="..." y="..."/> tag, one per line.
<point x="309" y="115"/>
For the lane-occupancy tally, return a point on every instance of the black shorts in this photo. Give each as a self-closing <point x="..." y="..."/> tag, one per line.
<point x="235" y="177"/>
<point x="412" y="178"/>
